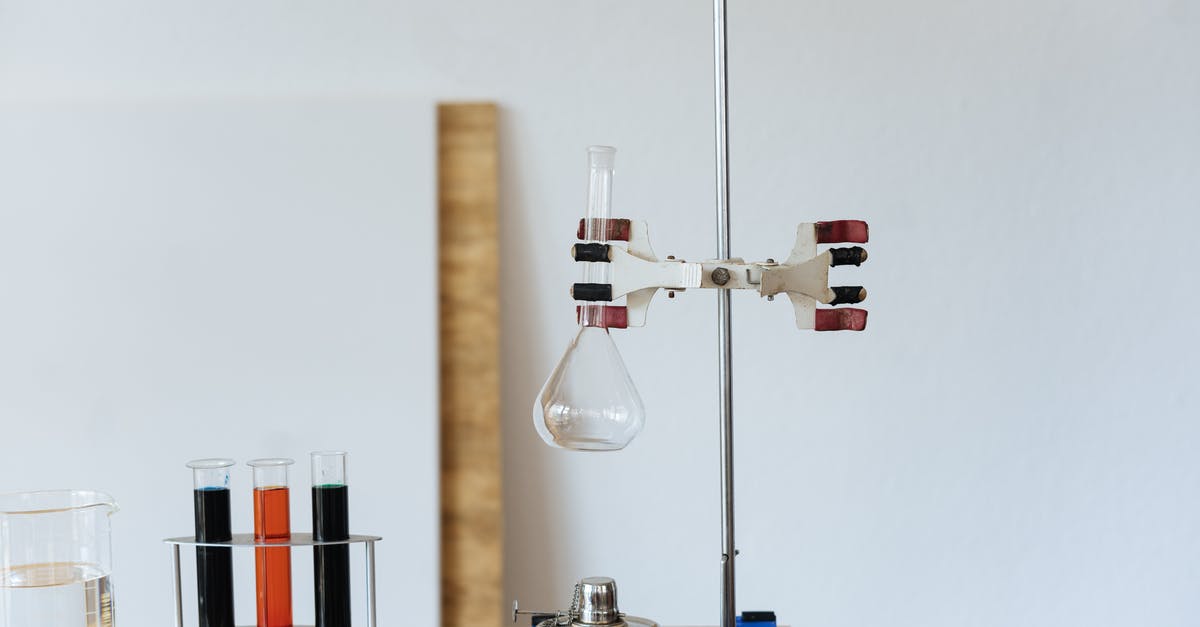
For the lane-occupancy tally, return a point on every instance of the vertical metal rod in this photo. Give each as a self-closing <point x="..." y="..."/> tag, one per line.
<point x="178" y="587"/>
<point x="371" y="618"/>
<point x="724" y="315"/>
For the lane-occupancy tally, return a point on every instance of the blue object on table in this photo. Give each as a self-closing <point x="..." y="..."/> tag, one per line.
<point x="756" y="619"/>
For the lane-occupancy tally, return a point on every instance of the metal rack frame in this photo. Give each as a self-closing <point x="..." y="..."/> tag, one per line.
<point x="244" y="540"/>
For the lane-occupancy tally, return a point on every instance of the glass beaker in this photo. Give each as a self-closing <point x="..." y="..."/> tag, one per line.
<point x="56" y="559"/>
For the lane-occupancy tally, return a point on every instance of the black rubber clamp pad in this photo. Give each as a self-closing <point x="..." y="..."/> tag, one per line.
<point x="848" y="295"/>
<point x="592" y="292"/>
<point x="591" y="252"/>
<point x="852" y="256"/>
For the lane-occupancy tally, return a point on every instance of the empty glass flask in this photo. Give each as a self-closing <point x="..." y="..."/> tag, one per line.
<point x="589" y="402"/>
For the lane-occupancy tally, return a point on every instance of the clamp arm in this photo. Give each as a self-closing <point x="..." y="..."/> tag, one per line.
<point x="637" y="274"/>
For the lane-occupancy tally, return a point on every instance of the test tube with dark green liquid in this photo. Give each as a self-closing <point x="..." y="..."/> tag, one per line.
<point x="331" y="521"/>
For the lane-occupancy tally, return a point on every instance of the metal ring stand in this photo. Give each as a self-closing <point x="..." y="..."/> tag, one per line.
<point x="297" y="539"/>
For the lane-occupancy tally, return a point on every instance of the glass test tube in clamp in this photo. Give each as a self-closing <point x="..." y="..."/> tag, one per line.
<point x="596" y="223"/>
<point x="272" y="521"/>
<point x="331" y="521"/>
<point x="214" y="565"/>
<point x="589" y="402"/>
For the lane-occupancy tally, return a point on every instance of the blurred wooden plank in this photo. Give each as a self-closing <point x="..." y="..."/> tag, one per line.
<point x="472" y="553"/>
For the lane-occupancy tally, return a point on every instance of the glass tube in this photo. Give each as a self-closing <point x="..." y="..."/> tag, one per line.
<point x="272" y="522"/>
<point x="330" y="513"/>
<point x="589" y="402"/>
<point x="214" y="565"/>
<point x="601" y="161"/>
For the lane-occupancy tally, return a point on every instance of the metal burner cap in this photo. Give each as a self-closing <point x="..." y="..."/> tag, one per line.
<point x="598" y="601"/>
<point x="593" y="605"/>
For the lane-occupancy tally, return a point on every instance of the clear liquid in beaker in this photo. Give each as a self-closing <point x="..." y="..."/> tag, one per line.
<point x="61" y="594"/>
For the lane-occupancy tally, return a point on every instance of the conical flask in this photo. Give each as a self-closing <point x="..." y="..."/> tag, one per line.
<point x="589" y="403"/>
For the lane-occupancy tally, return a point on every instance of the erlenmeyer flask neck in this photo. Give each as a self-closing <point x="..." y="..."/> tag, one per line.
<point x="589" y="402"/>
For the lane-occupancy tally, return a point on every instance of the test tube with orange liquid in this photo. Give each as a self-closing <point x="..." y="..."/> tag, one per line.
<point x="272" y="523"/>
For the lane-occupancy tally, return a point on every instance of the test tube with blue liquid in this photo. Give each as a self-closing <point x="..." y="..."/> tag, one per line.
<point x="214" y="565"/>
<point x="331" y="522"/>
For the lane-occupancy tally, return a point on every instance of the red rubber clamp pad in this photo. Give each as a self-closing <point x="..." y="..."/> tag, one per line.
<point x="842" y="231"/>
<point x="618" y="229"/>
<point x="614" y="317"/>
<point x="845" y="319"/>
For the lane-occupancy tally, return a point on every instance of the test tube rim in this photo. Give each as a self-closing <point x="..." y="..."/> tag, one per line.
<point x="315" y="460"/>
<point x="267" y="462"/>
<point x="211" y="463"/>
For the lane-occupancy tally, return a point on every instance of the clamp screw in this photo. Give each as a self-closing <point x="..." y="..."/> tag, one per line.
<point x="720" y="276"/>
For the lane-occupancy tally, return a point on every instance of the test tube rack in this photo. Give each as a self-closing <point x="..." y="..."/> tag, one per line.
<point x="246" y="540"/>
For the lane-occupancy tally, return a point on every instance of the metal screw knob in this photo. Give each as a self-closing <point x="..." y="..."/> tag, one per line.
<point x="720" y="276"/>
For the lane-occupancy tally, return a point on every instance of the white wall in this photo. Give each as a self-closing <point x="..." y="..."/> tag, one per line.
<point x="195" y="279"/>
<point x="1011" y="443"/>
